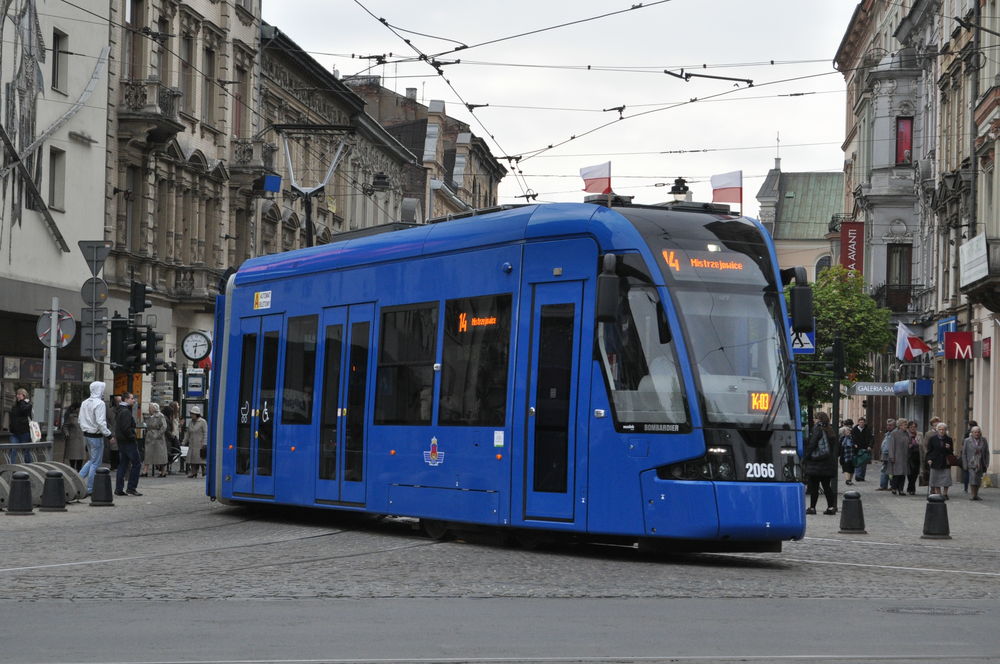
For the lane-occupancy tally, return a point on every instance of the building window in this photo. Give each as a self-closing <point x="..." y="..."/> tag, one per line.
<point x="60" y="60"/>
<point x="474" y="361"/>
<point x="57" y="179"/>
<point x="208" y="86"/>
<point x="899" y="264"/>
<point x="187" y="73"/>
<point x="163" y="51"/>
<point x="821" y="265"/>
<point x="133" y="40"/>
<point x="132" y="196"/>
<point x="904" y="141"/>
<point x="241" y="97"/>
<point x="404" y="392"/>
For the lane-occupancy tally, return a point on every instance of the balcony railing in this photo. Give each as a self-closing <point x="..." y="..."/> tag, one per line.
<point x="150" y="96"/>
<point x="898" y="298"/>
<point x="252" y="153"/>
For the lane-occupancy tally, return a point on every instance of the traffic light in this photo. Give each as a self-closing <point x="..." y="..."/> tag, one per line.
<point x="137" y="302"/>
<point x="133" y="350"/>
<point x="154" y="349"/>
<point x="119" y="330"/>
<point x="836" y="362"/>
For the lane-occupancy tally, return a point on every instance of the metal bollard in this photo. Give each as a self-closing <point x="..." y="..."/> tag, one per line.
<point x="53" y="493"/>
<point x="852" y="515"/>
<point x="102" y="496"/>
<point x="19" y="502"/>
<point x="936" y="518"/>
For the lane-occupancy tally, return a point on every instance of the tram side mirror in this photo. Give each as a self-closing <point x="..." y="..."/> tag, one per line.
<point x="802" y="309"/>
<point x="607" y="290"/>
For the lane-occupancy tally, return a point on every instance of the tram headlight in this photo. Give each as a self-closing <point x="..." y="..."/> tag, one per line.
<point x="717" y="464"/>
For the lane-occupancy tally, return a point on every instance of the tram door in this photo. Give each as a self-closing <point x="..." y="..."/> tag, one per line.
<point x="550" y="434"/>
<point x="346" y="336"/>
<point x="254" y="464"/>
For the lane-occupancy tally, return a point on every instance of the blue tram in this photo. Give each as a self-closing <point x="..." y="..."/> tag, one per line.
<point x="619" y="373"/>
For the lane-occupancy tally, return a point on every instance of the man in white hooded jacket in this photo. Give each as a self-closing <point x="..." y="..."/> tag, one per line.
<point x="94" y="423"/>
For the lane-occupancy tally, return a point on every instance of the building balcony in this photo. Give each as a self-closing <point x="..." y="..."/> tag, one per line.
<point x="898" y="298"/>
<point x="149" y="107"/>
<point x="252" y="155"/>
<point x="984" y="286"/>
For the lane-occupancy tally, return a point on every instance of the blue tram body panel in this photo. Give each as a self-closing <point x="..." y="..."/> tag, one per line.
<point x="305" y="357"/>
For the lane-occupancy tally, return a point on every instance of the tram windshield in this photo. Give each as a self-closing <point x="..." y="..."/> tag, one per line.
<point x="639" y="359"/>
<point x="719" y="275"/>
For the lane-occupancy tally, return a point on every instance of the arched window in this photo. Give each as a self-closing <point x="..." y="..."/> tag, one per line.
<point x="822" y="264"/>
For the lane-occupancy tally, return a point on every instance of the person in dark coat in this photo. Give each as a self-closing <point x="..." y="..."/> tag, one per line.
<point x="128" y="450"/>
<point x="820" y="464"/>
<point x="861" y="434"/>
<point x="939" y="447"/>
<point x="20" y="427"/>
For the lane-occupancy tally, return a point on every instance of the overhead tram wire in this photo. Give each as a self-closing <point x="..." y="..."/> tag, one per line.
<point x="349" y="182"/>
<point x="640" y="5"/>
<point x="526" y="191"/>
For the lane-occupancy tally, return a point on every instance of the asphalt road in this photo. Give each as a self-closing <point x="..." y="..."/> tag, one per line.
<point x="172" y="577"/>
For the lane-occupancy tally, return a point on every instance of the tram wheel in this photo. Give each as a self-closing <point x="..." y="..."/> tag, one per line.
<point x="435" y="529"/>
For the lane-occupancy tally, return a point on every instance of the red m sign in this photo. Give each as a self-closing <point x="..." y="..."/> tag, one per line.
<point x="958" y="345"/>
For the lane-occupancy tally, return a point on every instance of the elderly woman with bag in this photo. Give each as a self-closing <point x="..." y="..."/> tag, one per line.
<point x="975" y="459"/>
<point x="196" y="437"/>
<point x="156" y="442"/>
<point x="940" y="456"/>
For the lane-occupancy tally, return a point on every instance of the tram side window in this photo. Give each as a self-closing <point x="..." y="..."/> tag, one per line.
<point x="404" y="394"/>
<point x="474" y="361"/>
<point x="300" y="370"/>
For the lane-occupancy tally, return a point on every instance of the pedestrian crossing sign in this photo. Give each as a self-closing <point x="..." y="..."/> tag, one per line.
<point x="803" y="343"/>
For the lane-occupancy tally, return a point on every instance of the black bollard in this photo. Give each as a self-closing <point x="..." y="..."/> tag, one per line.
<point x="53" y="492"/>
<point x="19" y="502"/>
<point x="852" y="515"/>
<point x="936" y="518"/>
<point x="102" y="489"/>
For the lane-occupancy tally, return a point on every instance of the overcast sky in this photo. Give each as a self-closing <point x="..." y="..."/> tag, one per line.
<point x="540" y="93"/>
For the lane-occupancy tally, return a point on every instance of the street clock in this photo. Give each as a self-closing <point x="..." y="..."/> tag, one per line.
<point x="196" y="346"/>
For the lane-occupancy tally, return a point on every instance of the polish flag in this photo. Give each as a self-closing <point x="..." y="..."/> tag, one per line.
<point x="728" y="188"/>
<point x="909" y="345"/>
<point x="597" y="179"/>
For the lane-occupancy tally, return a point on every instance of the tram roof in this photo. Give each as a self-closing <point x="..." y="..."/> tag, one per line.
<point x="608" y="226"/>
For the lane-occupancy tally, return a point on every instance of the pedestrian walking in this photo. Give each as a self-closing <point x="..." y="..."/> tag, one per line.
<point x="155" y="462"/>
<point x="76" y="445"/>
<point x="958" y="453"/>
<point x="116" y="401"/>
<point x="821" y="454"/>
<point x="975" y="459"/>
<point x="196" y="436"/>
<point x="128" y="449"/>
<point x="861" y="436"/>
<point x="94" y="425"/>
<point x="847" y="451"/>
<point x="170" y="413"/>
<point x="914" y="462"/>
<point x="899" y="444"/>
<point x="940" y="458"/>
<point x="20" y="425"/>
<point x="883" y="479"/>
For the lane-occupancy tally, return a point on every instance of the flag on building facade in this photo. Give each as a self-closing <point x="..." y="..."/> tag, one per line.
<point x="728" y="188"/>
<point x="909" y="345"/>
<point x="597" y="179"/>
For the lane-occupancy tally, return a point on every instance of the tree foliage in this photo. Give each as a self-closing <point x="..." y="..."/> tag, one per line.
<point x="842" y="307"/>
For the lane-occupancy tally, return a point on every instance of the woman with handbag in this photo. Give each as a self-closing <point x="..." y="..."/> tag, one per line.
<point x="975" y="459"/>
<point x="196" y="436"/>
<point x="821" y="454"/>
<point x="940" y="458"/>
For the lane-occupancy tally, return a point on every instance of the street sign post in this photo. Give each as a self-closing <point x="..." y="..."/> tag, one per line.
<point x="803" y="343"/>
<point x="65" y="328"/>
<point x="95" y="252"/>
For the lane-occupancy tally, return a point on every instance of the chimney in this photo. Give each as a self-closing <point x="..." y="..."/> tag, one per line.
<point x="411" y="93"/>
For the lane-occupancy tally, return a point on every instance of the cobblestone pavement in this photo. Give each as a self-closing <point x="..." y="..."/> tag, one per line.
<point x="174" y="544"/>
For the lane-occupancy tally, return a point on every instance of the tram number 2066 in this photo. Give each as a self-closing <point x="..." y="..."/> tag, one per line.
<point x="760" y="470"/>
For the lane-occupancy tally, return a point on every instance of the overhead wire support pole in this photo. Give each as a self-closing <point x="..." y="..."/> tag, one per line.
<point x="308" y="192"/>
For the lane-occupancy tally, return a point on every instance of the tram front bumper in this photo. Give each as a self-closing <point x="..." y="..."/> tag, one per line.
<point x="757" y="511"/>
